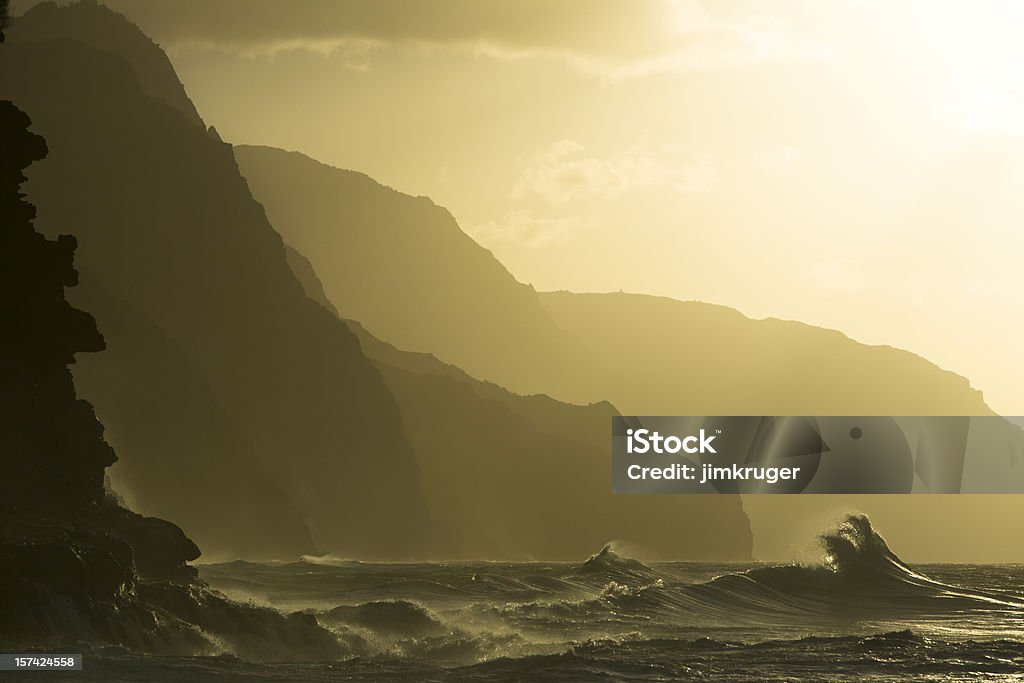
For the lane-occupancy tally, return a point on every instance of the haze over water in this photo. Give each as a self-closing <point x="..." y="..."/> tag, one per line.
<point x="858" y="613"/>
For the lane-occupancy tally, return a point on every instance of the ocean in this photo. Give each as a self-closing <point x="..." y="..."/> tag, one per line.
<point x="858" y="613"/>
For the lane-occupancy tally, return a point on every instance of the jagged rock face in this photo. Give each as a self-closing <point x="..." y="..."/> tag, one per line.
<point x="61" y="537"/>
<point x="53" y="451"/>
<point x="168" y="226"/>
<point x="179" y="456"/>
<point x="186" y="462"/>
<point x="75" y="566"/>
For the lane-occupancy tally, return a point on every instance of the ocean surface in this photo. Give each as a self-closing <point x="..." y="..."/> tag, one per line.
<point x="858" y="613"/>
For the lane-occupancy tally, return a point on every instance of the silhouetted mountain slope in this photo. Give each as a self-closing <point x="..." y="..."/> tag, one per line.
<point x="402" y="266"/>
<point x="501" y="486"/>
<point x="690" y="358"/>
<point x="659" y="356"/>
<point x="104" y="29"/>
<point x="518" y="477"/>
<point x="187" y="461"/>
<point x="303" y="270"/>
<point x="587" y="424"/>
<point x="166" y="218"/>
<point x="75" y="567"/>
<point x="382" y="254"/>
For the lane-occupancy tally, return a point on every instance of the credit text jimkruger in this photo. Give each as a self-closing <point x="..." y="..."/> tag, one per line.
<point x="641" y="441"/>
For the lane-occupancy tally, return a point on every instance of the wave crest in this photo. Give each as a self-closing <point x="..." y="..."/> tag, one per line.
<point x="394" y="618"/>
<point x="609" y="562"/>
<point x="854" y="545"/>
<point x="858" y="574"/>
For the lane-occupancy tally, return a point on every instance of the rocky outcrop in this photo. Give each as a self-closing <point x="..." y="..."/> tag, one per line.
<point x="75" y="566"/>
<point x="169" y="229"/>
<point x="61" y="537"/>
<point x="182" y="458"/>
<point x="53" y="453"/>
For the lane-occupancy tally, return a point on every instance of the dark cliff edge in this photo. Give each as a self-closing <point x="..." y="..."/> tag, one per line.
<point x="76" y="568"/>
<point x="179" y="252"/>
<point x="190" y="463"/>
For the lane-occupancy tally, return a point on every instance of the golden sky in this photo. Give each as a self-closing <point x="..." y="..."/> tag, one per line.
<point x="848" y="163"/>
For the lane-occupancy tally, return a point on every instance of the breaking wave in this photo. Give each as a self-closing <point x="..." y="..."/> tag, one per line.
<point x="608" y="562"/>
<point x="464" y="614"/>
<point x="858" y="574"/>
<point x="858" y="577"/>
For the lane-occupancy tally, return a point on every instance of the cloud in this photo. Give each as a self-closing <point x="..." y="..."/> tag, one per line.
<point x="611" y="38"/>
<point x="564" y="171"/>
<point x="522" y="227"/>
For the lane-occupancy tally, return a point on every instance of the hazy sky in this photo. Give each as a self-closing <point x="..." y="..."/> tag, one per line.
<point x="852" y="164"/>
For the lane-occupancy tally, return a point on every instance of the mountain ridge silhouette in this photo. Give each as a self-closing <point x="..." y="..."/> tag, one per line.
<point x="695" y="358"/>
<point x="167" y="222"/>
<point x="77" y="566"/>
<point x="100" y="27"/>
<point x="464" y="313"/>
<point x="828" y="367"/>
<point x="533" y="470"/>
<point x="570" y="347"/>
